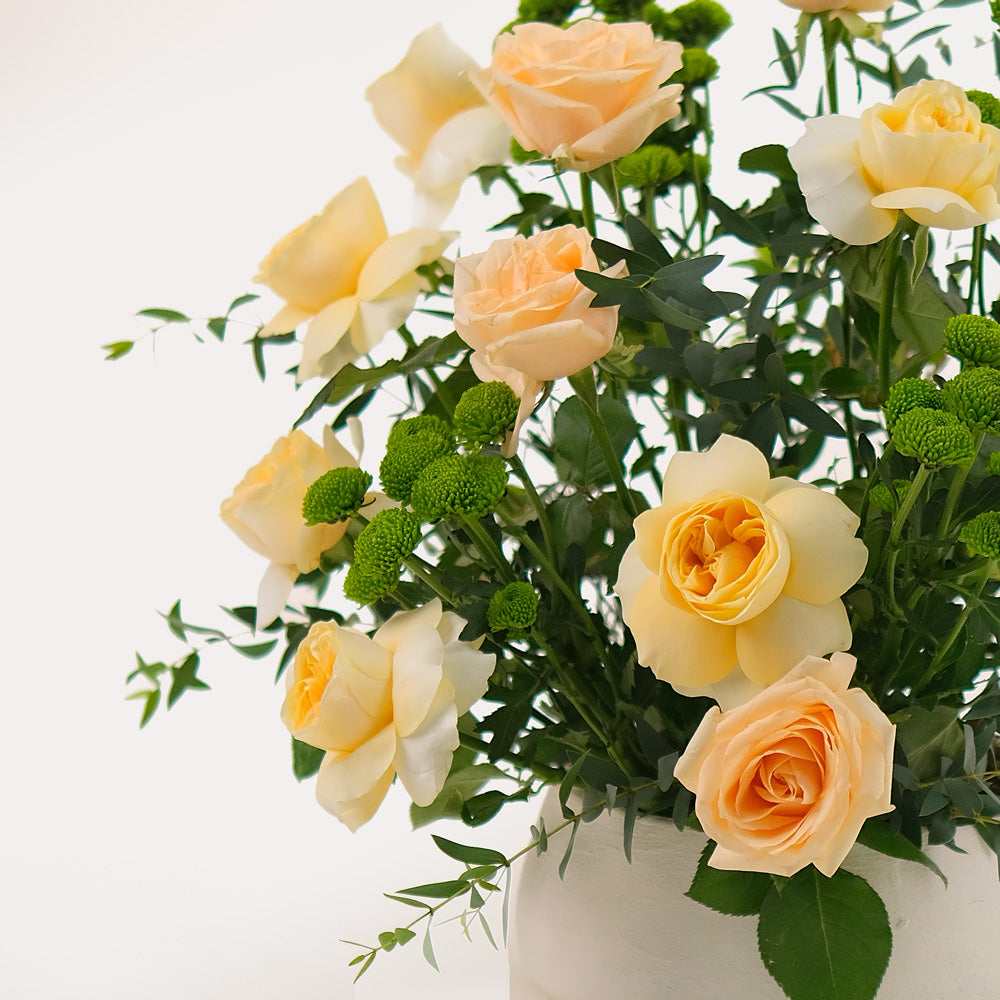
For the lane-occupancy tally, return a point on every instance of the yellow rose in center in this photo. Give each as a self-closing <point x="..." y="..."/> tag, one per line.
<point x="737" y="577"/>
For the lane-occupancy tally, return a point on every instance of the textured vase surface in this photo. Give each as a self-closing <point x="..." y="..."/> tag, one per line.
<point x="613" y="930"/>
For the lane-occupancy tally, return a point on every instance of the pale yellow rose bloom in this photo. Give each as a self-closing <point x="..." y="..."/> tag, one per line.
<point x="526" y="315"/>
<point x="927" y="154"/>
<point x="344" y="274"/>
<point x="265" y="511"/>
<point x="584" y="95"/>
<point x="736" y="576"/>
<point x="788" y="779"/>
<point x="429" y="107"/>
<point x="383" y="706"/>
<point x="821" y="6"/>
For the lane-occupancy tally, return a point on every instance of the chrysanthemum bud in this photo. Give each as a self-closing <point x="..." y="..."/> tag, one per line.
<point x="513" y="607"/>
<point x="934" y="437"/>
<point x="336" y="495"/>
<point x="486" y="413"/>
<point x="910" y="394"/>
<point x="974" y="340"/>
<point x="981" y="535"/>
<point x="460" y="484"/>
<point x="973" y="395"/>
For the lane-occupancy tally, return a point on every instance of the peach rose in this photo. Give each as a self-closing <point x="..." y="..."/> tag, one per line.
<point x="736" y="577"/>
<point x="821" y="6"/>
<point x="265" y="511"/>
<point x="342" y="272"/>
<point x="383" y="706"/>
<point x="525" y="314"/>
<point x="927" y="154"/>
<point x="587" y="94"/>
<point x="787" y="779"/>
<point x="446" y="129"/>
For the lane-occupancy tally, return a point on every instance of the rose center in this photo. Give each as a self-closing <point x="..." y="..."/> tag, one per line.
<point x="725" y="558"/>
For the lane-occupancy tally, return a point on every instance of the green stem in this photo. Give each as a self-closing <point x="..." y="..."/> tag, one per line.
<point x="488" y="549"/>
<point x="886" y="340"/>
<point x="587" y="204"/>
<point x="583" y="385"/>
<point x="830" y="31"/>
<point x="955" y="489"/>
<point x="898" y="522"/>
<point x="536" y="502"/>
<point x="976" y="273"/>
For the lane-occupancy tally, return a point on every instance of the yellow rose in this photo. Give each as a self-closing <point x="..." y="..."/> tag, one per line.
<point x="342" y="272"/>
<point x="383" y="706"/>
<point x="821" y="6"/>
<point x="265" y="511"/>
<point x="587" y="94"/>
<point x="446" y="129"/>
<point x="736" y="577"/>
<point x="526" y="315"/>
<point x="927" y="154"/>
<point x="787" y="779"/>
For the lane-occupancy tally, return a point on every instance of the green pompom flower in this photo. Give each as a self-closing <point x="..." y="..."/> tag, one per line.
<point x="649" y="167"/>
<point x="379" y="552"/>
<point x="910" y="394"/>
<point x="366" y="588"/>
<point x="981" y="535"/>
<point x="993" y="464"/>
<point x="974" y="340"/>
<point x="973" y="395"/>
<point x="411" y="446"/>
<point x="697" y="67"/>
<point x="513" y="607"/>
<point x="460" y="484"/>
<point x="550" y="11"/>
<point x="696" y="24"/>
<point x="486" y="413"/>
<point x="336" y="495"/>
<point x="934" y="437"/>
<point x="989" y="106"/>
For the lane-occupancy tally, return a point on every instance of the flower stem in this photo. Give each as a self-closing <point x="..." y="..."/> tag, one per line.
<point x="587" y="204"/>
<point x="976" y="289"/>
<point x="829" y="30"/>
<point x="955" y="489"/>
<point x="536" y="502"/>
<point x="886" y="340"/>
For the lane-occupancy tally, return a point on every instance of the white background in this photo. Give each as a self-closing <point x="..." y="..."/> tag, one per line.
<point x="150" y="154"/>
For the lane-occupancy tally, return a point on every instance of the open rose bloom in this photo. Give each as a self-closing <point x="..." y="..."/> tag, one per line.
<point x="526" y="315"/>
<point x="265" y="511"/>
<point x="736" y="576"/>
<point x="584" y="95"/>
<point x="343" y="273"/>
<point x="427" y="105"/>
<point x="383" y="706"/>
<point x="928" y="154"/>
<point x="788" y="779"/>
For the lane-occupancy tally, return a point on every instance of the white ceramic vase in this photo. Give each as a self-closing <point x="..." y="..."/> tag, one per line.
<point x="612" y="930"/>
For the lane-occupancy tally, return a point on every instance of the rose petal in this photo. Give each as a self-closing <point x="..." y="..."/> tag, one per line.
<point x="731" y="465"/>
<point x="423" y="759"/>
<point x="355" y="812"/>
<point x="275" y="586"/>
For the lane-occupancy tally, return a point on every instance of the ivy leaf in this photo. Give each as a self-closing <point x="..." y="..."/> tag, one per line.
<point x="825" y="938"/>
<point x="184" y="677"/>
<point x="738" y="894"/>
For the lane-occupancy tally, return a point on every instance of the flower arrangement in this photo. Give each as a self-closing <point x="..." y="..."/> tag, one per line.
<point x="728" y="557"/>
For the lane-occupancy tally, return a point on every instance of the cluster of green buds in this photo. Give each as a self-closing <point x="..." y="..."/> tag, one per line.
<point x="981" y="535"/>
<point x="513" y="608"/>
<point x="424" y="470"/>
<point x="973" y="395"/>
<point x="974" y="340"/>
<point x="934" y="437"/>
<point x="336" y="495"/>
<point x="989" y="106"/>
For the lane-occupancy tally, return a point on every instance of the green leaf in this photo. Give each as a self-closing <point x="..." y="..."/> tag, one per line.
<point x="306" y="759"/>
<point x="460" y="785"/>
<point x="152" y="698"/>
<point x="631" y="812"/>
<point x="368" y="959"/>
<point x="217" y="326"/>
<point x="428" y="949"/>
<point x="437" y="890"/>
<point x="843" y="382"/>
<point x="769" y="159"/>
<point x="569" y="850"/>
<point x="578" y="456"/>
<point x="928" y="735"/>
<point x="167" y="315"/>
<point x="257" y="650"/>
<point x="825" y="938"/>
<point x="404" y="934"/>
<point x="241" y="300"/>
<point x="877" y="835"/>
<point x="739" y="894"/>
<point x="470" y="855"/>
<point x="118" y="349"/>
<point x="183" y="678"/>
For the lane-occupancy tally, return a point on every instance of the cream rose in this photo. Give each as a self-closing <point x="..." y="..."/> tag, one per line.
<point x="927" y="154"/>
<point x="265" y="511"/>
<point x="787" y="779"/>
<point x="526" y="315"/>
<point x="383" y="706"/>
<point x="342" y="272"/>
<point x="821" y="6"/>
<point x="736" y="577"/>
<point x="446" y="129"/>
<point x="587" y="94"/>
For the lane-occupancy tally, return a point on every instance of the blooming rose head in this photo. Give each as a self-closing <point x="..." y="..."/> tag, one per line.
<point x="736" y="577"/>
<point x="383" y="706"/>
<point x="928" y="154"/>
<point x="446" y="129"/>
<point x="265" y="510"/>
<point x="526" y="315"/>
<point x="342" y="272"/>
<point x="821" y="6"/>
<point x="587" y="94"/>
<point x="787" y="779"/>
